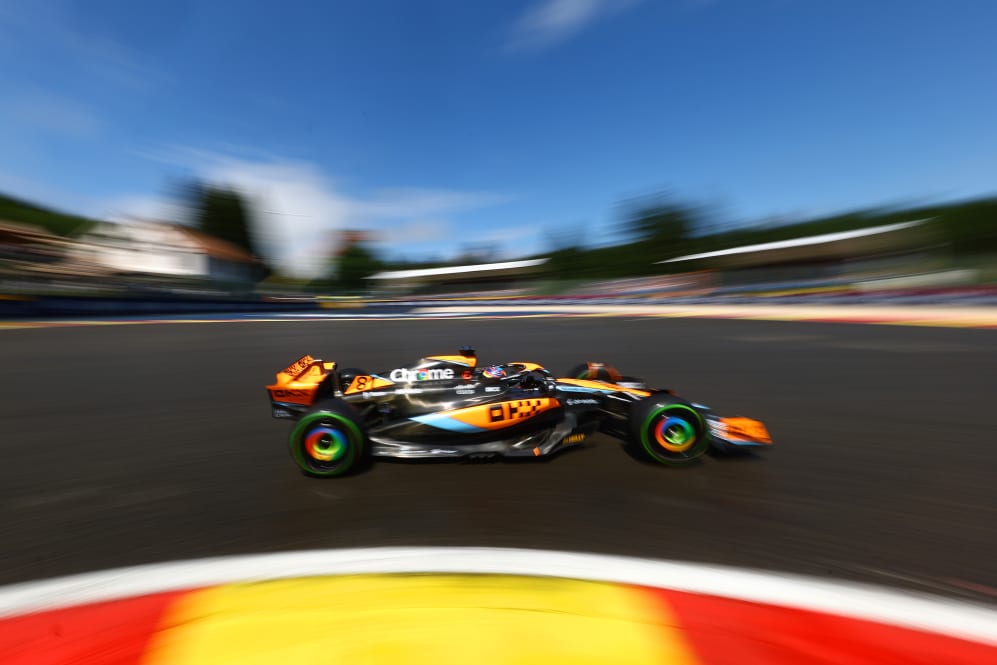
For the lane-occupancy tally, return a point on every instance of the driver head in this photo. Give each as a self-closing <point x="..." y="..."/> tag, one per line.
<point x="494" y="372"/>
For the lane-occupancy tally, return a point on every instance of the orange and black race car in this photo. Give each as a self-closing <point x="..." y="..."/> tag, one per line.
<point x="448" y="406"/>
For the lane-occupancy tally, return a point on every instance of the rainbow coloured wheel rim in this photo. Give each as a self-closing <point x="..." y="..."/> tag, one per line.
<point x="673" y="433"/>
<point x="326" y="444"/>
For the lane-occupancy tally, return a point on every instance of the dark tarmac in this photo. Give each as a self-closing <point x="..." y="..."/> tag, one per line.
<point x="130" y="444"/>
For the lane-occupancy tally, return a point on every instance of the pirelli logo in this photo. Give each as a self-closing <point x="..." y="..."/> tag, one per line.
<point x="518" y="410"/>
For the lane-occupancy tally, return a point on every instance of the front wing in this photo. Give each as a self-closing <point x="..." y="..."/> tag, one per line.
<point x="737" y="432"/>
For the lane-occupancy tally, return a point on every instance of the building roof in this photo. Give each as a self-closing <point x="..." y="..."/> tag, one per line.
<point x="216" y="247"/>
<point x="825" y="239"/>
<point x="481" y="268"/>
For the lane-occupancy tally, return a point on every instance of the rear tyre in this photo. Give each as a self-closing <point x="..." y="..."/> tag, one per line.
<point x="328" y="441"/>
<point x="669" y="430"/>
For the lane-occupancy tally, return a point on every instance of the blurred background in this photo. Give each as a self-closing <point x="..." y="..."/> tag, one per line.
<point x="655" y="149"/>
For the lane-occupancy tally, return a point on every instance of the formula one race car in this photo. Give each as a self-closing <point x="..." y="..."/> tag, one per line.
<point x="447" y="406"/>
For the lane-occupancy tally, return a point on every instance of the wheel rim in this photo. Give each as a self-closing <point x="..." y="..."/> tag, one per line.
<point x="675" y="434"/>
<point x="325" y="444"/>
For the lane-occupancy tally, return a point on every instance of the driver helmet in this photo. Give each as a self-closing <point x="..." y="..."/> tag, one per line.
<point x="494" y="372"/>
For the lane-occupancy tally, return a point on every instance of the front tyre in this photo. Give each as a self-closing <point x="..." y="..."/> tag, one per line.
<point x="328" y="440"/>
<point x="669" y="430"/>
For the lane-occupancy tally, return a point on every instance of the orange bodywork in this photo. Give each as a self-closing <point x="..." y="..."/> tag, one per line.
<point x="299" y="381"/>
<point x="502" y="414"/>
<point x="527" y="367"/>
<point x="363" y="382"/>
<point x="469" y="361"/>
<point x="603" y="385"/>
<point x="746" y="429"/>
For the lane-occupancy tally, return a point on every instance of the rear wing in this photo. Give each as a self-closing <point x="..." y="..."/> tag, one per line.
<point x="301" y="384"/>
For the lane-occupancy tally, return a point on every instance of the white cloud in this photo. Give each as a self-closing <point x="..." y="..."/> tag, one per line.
<point x="552" y="21"/>
<point x="297" y="209"/>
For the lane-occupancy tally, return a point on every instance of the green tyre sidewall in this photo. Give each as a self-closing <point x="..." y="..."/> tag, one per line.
<point x="353" y="450"/>
<point x="700" y="447"/>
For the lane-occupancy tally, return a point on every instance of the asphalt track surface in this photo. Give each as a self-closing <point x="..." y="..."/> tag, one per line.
<point x="134" y="444"/>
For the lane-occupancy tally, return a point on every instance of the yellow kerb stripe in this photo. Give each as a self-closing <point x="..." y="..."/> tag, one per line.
<point x="401" y="619"/>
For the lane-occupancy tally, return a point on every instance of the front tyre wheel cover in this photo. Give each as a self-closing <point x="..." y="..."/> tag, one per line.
<point x="326" y="443"/>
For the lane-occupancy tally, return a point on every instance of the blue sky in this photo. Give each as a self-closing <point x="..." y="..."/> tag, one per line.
<point x="444" y="123"/>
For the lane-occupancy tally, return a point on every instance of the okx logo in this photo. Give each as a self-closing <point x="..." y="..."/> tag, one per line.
<point x="517" y="410"/>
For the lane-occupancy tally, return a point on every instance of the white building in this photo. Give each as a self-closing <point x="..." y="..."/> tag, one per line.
<point x="161" y="249"/>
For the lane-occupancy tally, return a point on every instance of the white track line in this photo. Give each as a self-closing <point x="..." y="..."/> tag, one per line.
<point x="912" y="610"/>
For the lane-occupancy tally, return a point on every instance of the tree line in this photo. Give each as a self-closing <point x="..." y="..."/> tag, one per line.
<point x="649" y="230"/>
<point x="654" y="229"/>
